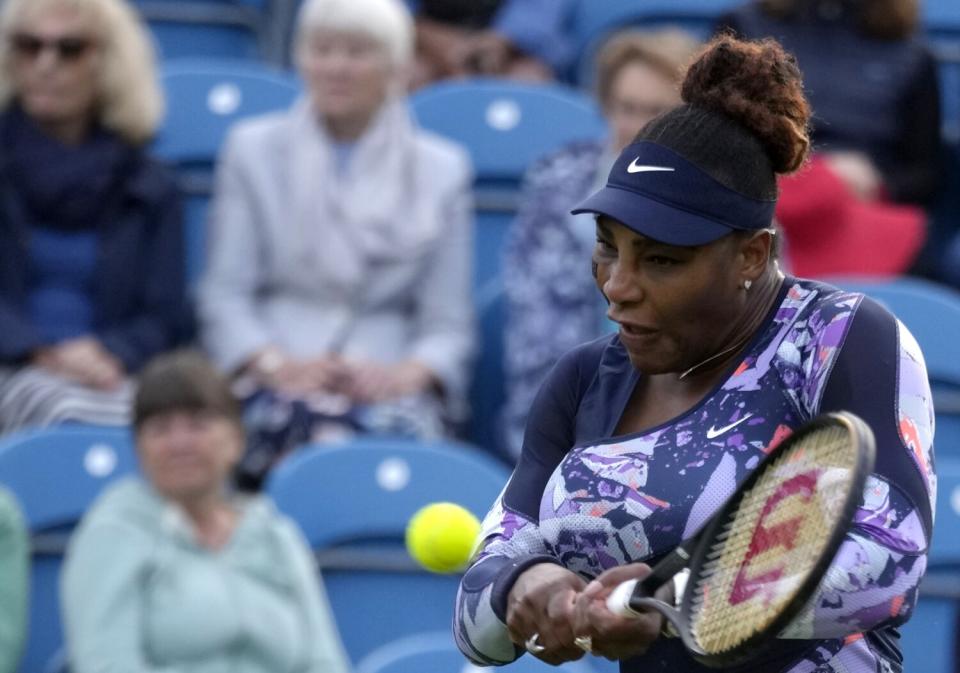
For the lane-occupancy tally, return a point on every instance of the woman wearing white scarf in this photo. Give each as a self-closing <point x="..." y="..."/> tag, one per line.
<point x="338" y="280"/>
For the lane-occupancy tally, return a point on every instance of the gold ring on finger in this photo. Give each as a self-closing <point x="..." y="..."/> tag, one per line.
<point x="585" y="643"/>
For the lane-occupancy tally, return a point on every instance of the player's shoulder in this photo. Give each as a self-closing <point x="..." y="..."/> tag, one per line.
<point x="576" y="369"/>
<point x="823" y="304"/>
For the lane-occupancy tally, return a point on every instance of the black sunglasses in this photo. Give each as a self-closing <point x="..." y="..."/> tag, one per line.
<point x="66" y="48"/>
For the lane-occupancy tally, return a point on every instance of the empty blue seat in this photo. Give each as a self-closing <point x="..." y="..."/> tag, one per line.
<point x="56" y="473"/>
<point x="204" y="99"/>
<point x="353" y="503"/>
<point x="507" y="125"/>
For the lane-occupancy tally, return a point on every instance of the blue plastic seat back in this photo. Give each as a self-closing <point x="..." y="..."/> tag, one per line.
<point x="56" y="474"/>
<point x="206" y="97"/>
<point x="929" y="639"/>
<point x="353" y="503"/>
<point x="487" y="384"/>
<point x="505" y="125"/>
<point x="595" y="22"/>
<point x="368" y="489"/>
<point x="945" y="550"/>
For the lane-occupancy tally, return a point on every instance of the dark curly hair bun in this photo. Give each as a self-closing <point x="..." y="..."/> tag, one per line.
<point x="758" y="85"/>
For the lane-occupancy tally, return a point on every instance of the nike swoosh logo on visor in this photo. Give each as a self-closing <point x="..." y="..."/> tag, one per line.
<point x="635" y="168"/>
<point x="714" y="432"/>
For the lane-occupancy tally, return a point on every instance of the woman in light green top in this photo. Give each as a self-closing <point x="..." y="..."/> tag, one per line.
<point x="13" y="582"/>
<point x="173" y="573"/>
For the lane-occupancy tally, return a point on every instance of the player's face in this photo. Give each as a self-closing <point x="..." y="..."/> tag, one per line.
<point x="638" y="93"/>
<point x="347" y="74"/>
<point x="675" y="305"/>
<point x="188" y="455"/>
<point x="55" y="65"/>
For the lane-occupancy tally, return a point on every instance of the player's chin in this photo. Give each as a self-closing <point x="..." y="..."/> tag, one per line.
<point x="651" y="362"/>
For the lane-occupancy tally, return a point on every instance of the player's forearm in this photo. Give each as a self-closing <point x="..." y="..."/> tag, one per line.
<point x="511" y="544"/>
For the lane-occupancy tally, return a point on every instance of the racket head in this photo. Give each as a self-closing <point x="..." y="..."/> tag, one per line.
<point x="766" y="550"/>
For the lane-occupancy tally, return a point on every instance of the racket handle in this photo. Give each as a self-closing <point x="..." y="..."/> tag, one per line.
<point x="664" y="571"/>
<point x="618" y="602"/>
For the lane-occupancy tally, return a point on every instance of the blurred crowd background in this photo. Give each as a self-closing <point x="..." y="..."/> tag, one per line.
<point x="355" y="215"/>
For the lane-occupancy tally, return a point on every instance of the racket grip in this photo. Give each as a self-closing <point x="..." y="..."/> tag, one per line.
<point x="618" y="602"/>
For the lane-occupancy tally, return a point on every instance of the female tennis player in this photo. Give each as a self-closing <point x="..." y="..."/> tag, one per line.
<point x="637" y="438"/>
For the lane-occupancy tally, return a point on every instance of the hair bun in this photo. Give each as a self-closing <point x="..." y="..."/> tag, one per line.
<point x="758" y="85"/>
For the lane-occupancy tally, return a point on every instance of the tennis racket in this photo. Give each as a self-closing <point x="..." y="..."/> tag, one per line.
<point x="761" y="556"/>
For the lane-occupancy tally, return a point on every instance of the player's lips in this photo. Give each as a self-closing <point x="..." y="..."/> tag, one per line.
<point x="635" y="335"/>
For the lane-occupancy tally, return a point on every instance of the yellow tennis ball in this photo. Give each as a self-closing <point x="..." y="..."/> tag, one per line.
<point x="440" y="536"/>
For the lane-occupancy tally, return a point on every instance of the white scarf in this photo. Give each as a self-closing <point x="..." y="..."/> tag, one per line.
<point x="374" y="211"/>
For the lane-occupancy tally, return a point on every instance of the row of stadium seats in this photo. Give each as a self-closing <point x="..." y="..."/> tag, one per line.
<point x="261" y="29"/>
<point x="353" y="502"/>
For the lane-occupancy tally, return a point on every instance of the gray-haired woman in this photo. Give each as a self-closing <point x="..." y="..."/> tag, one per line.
<point x="338" y="287"/>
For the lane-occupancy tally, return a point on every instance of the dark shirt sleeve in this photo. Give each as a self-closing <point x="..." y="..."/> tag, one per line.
<point x="511" y="538"/>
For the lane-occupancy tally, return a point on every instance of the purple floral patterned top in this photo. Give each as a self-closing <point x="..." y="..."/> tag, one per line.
<point x="588" y="500"/>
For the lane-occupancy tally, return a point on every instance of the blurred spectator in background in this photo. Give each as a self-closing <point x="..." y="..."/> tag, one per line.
<point x="14" y="582"/>
<point x="876" y="101"/>
<point x="91" y="261"/>
<point x="521" y="39"/>
<point x="173" y="572"/>
<point x="550" y="307"/>
<point x="338" y="283"/>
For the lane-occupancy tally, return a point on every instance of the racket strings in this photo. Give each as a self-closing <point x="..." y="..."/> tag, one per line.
<point x="772" y="540"/>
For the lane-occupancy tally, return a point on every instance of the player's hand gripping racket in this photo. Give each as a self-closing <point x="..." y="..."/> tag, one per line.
<point x="758" y="560"/>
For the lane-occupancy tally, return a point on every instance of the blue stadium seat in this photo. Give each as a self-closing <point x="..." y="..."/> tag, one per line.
<point x="353" y="503"/>
<point x="208" y="28"/>
<point x="941" y="15"/>
<point x="204" y="99"/>
<point x="595" y="22"/>
<point x="929" y="638"/>
<point x="507" y="125"/>
<point x="945" y="551"/>
<point x="487" y="390"/>
<point x="56" y="473"/>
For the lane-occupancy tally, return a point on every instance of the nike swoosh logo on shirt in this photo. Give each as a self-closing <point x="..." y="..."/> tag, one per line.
<point x="714" y="432"/>
<point x="635" y="168"/>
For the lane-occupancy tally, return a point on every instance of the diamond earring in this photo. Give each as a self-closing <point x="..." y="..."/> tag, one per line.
<point x="747" y="284"/>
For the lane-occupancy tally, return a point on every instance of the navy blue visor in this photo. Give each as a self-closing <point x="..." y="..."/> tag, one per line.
<point x="661" y="195"/>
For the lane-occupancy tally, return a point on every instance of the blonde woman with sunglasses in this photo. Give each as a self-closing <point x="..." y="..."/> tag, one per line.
<point x="92" y="255"/>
